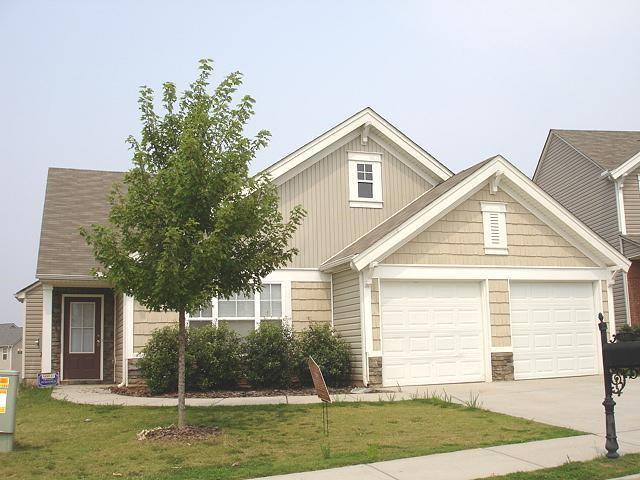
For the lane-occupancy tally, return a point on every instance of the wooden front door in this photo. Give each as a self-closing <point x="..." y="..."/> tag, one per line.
<point x="82" y="341"/>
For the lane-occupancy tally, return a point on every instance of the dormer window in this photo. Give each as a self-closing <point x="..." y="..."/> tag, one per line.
<point x="365" y="180"/>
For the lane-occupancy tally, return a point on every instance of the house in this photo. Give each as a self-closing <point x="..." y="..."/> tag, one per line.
<point x="10" y="347"/>
<point x="430" y="277"/>
<point x="595" y="175"/>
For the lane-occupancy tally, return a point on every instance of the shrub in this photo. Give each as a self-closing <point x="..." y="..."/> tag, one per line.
<point x="159" y="361"/>
<point x="270" y="356"/>
<point x="217" y="357"/>
<point x="331" y="353"/>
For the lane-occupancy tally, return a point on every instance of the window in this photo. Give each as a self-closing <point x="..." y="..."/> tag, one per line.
<point x="82" y="328"/>
<point x="495" y="228"/>
<point x="365" y="179"/>
<point x="5" y="353"/>
<point x="243" y="313"/>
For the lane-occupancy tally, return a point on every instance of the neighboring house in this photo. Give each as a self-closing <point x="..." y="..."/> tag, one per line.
<point x="430" y="277"/>
<point x="10" y="347"/>
<point x="594" y="174"/>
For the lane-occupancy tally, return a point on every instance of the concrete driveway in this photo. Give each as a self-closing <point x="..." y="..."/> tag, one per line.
<point x="568" y="402"/>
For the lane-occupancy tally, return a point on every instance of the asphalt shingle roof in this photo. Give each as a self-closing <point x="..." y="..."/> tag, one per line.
<point x="609" y="149"/>
<point x="10" y="334"/>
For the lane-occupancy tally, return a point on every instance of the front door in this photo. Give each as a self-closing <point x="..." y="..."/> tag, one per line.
<point x="82" y="327"/>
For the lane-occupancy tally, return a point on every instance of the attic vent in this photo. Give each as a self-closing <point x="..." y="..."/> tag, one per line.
<point x="495" y="228"/>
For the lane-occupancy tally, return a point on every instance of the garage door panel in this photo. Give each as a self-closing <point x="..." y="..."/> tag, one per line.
<point x="441" y="328"/>
<point x="553" y="329"/>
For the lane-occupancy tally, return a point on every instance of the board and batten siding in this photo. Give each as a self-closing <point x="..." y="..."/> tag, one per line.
<point x="32" y="333"/>
<point x="310" y="303"/>
<point x="499" y="313"/>
<point x="323" y="191"/>
<point x="118" y="337"/>
<point x="458" y="239"/>
<point x="576" y="183"/>
<point x="145" y="322"/>
<point x="346" y="316"/>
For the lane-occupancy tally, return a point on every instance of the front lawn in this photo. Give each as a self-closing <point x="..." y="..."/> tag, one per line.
<point x="63" y="440"/>
<point x="600" y="469"/>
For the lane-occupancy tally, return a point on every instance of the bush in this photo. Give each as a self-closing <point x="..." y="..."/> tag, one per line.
<point x="270" y="356"/>
<point x="217" y="357"/>
<point x="331" y="353"/>
<point x="213" y="359"/>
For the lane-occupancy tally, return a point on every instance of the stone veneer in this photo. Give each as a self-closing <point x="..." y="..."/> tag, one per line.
<point x="375" y="371"/>
<point x="502" y="366"/>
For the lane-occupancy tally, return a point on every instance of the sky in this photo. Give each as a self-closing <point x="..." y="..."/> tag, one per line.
<point x="463" y="79"/>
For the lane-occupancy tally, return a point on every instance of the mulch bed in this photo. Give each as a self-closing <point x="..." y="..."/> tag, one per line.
<point x="137" y="391"/>
<point x="190" y="432"/>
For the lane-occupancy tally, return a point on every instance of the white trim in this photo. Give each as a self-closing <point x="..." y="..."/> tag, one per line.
<point x="508" y="349"/>
<point x="622" y="222"/>
<point x="364" y="344"/>
<point x="366" y="204"/>
<point x="597" y="308"/>
<point x="297" y="275"/>
<point x="373" y="159"/>
<point x="47" y="322"/>
<point x="486" y="329"/>
<point x="627" y="306"/>
<point x="127" y="320"/>
<point x="62" y="331"/>
<point x="611" y="315"/>
<point x="626" y="167"/>
<point x="465" y="272"/>
<point x="24" y="338"/>
<point x="564" y="221"/>
<point x="366" y="118"/>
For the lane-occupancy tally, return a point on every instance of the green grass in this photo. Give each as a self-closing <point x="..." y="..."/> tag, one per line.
<point x="600" y="469"/>
<point x="63" y="440"/>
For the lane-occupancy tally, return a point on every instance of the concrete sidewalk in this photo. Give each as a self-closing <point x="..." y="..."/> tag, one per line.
<point x="472" y="464"/>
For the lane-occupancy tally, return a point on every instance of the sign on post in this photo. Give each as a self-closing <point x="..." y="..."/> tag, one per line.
<point x="322" y="391"/>
<point x="48" y="380"/>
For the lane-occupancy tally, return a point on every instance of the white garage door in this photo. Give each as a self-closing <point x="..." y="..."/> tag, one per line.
<point x="553" y="329"/>
<point x="431" y="332"/>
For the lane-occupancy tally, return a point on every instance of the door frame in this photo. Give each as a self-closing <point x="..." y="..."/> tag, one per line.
<point x="62" y="330"/>
<point x="483" y="286"/>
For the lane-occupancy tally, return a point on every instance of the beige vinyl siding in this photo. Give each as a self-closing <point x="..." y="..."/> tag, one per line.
<point x="458" y="239"/>
<point x="146" y="322"/>
<point x="310" y="303"/>
<point x="499" y="313"/>
<point x="323" y="190"/>
<point x="620" y="307"/>
<point x="575" y="182"/>
<point x="346" y="316"/>
<point x="32" y="333"/>
<point x="118" y="337"/>
<point x="375" y="314"/>
<point x="631" y="195"/>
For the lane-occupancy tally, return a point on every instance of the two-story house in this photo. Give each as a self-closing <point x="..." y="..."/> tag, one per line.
<point x="595" y="175"/>
<point x="430" y="276"/>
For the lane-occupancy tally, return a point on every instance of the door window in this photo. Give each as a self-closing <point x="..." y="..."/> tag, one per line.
<point x="83" y="327"/>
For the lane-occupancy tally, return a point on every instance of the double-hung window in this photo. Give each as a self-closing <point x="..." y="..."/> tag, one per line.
<point x="365" y="179"/>
<point x="242" y="312"/>
<point x="5" y="353"/>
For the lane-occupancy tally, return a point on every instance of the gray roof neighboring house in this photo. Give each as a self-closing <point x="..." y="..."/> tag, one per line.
<point x="74" y="198"/>
<point x="396" y="220"/>
<point x="10" y="334"/>
<point x="608" y="149"/>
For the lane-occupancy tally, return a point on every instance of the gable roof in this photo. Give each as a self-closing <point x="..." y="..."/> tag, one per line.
<point x="73" y="198"/>
<point x="433" y="205"/>
<point x="607" y="149"/>
<point x="361" y="123"/>
<point x="10" y="334"/>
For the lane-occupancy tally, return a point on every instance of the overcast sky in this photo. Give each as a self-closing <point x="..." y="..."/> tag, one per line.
<point x="465" y="80"/>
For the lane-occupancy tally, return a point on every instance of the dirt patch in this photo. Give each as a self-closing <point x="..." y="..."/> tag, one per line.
<point x="183" y="434"/>
<point x="271" y="392"/>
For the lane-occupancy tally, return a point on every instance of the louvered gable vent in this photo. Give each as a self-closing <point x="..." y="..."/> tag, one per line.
<point x="495" y="228"/>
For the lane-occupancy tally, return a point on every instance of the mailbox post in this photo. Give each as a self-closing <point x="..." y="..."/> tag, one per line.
<point x="8" y="393"/>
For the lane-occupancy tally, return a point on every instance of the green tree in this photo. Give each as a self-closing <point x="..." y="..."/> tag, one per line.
<point x="189" y="223"/>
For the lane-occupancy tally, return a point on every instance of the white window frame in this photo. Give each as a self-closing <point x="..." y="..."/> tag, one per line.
<point x="5" y="353"/>
<point x="366" y="158"/>
<point x="285" y="298"/>
<point x="82" y="329"/>
<point x="494" y="211"/>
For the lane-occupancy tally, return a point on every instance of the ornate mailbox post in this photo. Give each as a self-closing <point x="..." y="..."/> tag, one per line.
<point x="620" y="361"/>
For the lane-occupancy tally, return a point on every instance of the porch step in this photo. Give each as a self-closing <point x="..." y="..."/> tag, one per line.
<point x="85" y="382"/>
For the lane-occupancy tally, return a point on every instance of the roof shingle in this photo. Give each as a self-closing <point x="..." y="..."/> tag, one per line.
<point x="608" y="149"/>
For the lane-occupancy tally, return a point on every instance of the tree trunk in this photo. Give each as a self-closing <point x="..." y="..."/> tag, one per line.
<point x="182" y="346"/>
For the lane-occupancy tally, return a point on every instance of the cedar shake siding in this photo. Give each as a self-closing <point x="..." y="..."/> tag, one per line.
<point x="575" y="182"/>
<point x="310" y="303"/>
<point x="145" y="322"/>
<point x="323" y="191"/>
<point x="499" y="313"/>
<point x="346" y="316"/>
<point x="32" y="333"/>
<point x="458" y="239"/>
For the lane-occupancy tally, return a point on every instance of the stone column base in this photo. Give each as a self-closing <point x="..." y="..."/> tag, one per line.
<point x="502" y="366"/>
<point x="375" y="371"/>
